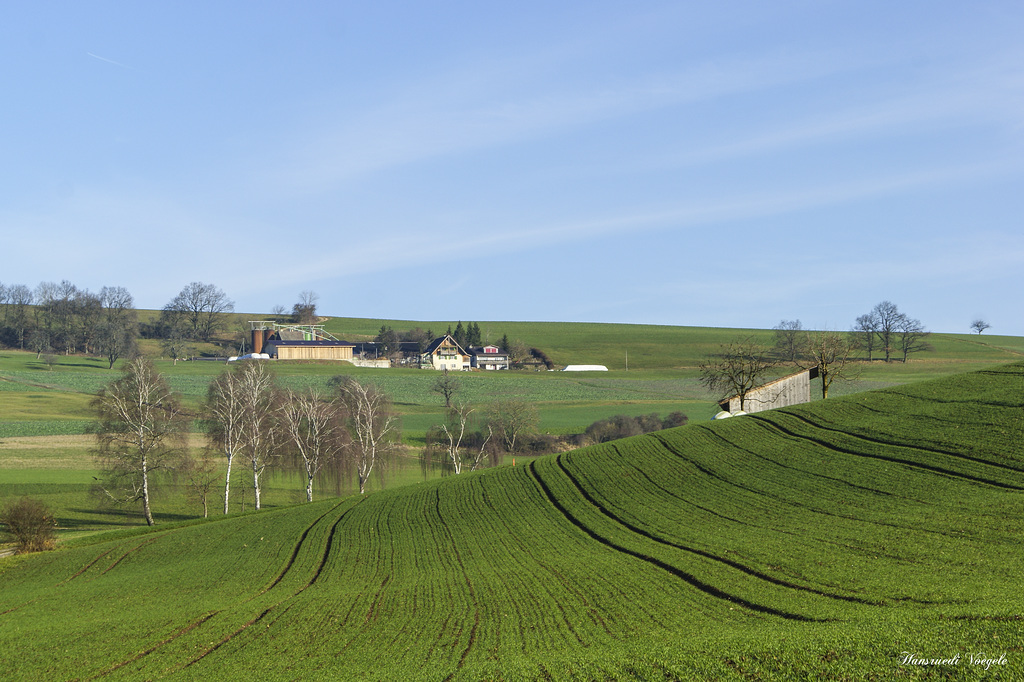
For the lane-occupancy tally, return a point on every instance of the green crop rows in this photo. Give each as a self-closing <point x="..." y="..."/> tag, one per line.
<point x="816" y="542"/>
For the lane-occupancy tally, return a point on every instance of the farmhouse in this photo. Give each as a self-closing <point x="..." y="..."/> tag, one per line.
<point x="789" y="390"/>
<point x="488" y="358"/>
<point x="445" y="353"/>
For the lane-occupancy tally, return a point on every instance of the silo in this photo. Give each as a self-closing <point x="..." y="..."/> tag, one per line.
<point x="257" y="340"/>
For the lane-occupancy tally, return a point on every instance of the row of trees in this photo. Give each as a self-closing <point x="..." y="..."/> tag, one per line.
<point x="346" y="431"/>
<point x="744" y="365"/>
<point x="887" y="330"/>
<point x="142" y="431"/>
<point x="882" y="330"/>
<point x="62" y="318"/>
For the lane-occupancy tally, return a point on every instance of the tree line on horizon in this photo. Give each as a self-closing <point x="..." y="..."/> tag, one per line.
<point x="742" y="366"/>
<point x="64" y="319"/>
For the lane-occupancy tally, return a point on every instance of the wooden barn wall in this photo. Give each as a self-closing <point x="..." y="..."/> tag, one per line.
<point x="313" y="353"/>
<point x="791" y="390"/>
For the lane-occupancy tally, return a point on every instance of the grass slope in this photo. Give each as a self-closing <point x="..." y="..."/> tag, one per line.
<point x="824" y="541"/>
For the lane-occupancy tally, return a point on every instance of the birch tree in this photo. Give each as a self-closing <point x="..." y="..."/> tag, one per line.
<point x="511" y="418"/>
<point x="372" y="425"/>
<point x="225" y="419"/>
<point x="258" y="428"/>
<point x="313" y="424"/>
<point x="450" y="436"/>
<point x="141" y="429"/>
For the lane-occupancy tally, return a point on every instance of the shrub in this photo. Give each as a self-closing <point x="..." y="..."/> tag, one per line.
<point x="31" y="525"/>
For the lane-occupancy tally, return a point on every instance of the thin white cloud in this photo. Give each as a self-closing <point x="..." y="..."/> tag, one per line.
<point x="453" y="115"/>
<point x="111" y="61"/>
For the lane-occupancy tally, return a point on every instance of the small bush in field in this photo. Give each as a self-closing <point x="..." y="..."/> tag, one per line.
<point x="31" y="525"/>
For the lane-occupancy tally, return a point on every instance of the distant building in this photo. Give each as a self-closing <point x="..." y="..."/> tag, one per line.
<point x="308" y="350"/>
<point x="297" y="342"/>
<point x="488" y="358"/>
<point x="789" y="390"/>
<point x="445" y="353"/>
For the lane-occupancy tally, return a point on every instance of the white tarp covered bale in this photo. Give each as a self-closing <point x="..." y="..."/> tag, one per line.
<point x="585" y="368"/>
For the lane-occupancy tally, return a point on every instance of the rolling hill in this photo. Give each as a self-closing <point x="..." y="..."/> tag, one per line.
<point x="845" y="539"/>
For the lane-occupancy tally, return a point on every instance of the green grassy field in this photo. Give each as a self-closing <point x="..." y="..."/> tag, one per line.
<point x="837" y="540"/>
<point x="48" y="401"/>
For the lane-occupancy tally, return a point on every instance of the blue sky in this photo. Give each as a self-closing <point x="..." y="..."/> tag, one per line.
<point x="682" y="163"/>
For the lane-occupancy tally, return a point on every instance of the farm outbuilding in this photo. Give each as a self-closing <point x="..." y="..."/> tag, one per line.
<point x="789" y="390"/>
<point x="309" y="350"/>
<point x="298" y="342"/>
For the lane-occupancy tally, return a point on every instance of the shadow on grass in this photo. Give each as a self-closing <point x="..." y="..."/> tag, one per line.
<point x="117" y="517"/>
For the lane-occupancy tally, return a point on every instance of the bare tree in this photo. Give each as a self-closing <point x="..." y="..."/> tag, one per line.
<point x="176" y="344"/>
<point x="788" y="341"/>
<point x="864" y="330"/>
<point x="979" y="325"/>
<point x="447" y="385"/>
<point x="832" y="353"/>
<point x="372" y="425"/>
<point x="141" y="428"/>
<point x="117" y="331"/>
<point x="225" y="417"/>
<point x="511" y="418"/>
<point x="200" y="476"/>
<point x="887" y="321"/>
<point x="451" y="436"/>
<point x="202" y="307"/>
<point x="910" y="335"/>
<point x="19" y="297"/>
<point x="304" y="311"/>
<point x="737" y="369"/>
<point x="314" y="425"/>
<point x="39" y="342"/>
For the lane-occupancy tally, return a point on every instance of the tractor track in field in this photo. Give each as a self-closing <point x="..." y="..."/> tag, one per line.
<point x="208" y="616"/>
<point x="888" y="443"/>
<point x="701" y="553"/>
<point x="688" y="578"/>
<point x="142" y="654"/>
<point x="804" y="472"/>
<point x="316" y="576"/>
<point x="782" y="500"/>
<point x="895" y="460"/>
<point x="131" y="551"/>
<point x="298" y="546"/>
<point x="469" y="584"/>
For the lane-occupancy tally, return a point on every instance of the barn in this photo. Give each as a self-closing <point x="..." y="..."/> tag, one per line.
<point x="789" y="390"/>
<point x="298" y="342"/>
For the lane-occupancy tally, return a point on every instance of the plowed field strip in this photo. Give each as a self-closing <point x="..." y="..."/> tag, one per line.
<point x="710" y="590"/>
